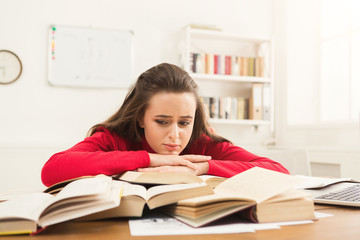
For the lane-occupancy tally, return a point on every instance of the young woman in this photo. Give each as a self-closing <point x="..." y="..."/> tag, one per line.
<point x="161" y="126"/>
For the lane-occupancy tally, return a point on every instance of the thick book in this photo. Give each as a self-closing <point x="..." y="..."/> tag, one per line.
<point x="258" y="194"/>
<point x="266" y="102"/>
<point x="148" y="178"/>
<point x="156" y="189"/>
<point x="28" y="213"/>
<point x="135" y="197"/>
<point x="255" y="103"/>
<point x="158" y="178"/>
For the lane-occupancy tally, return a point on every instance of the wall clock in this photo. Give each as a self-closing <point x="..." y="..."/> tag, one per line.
<point x="10" y="67"/>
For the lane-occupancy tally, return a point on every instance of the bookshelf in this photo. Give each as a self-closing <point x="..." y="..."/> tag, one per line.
<point x="204" y="55"/>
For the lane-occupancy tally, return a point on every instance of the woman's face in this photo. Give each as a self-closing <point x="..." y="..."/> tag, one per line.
<point x="168" y="122"/>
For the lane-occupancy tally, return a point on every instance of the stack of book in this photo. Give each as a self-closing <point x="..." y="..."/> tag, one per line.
<point x="226" y="107"/>
<point x="256" y="107"/>
<point x="226" y="65"/>
<point x="258" y="195"/>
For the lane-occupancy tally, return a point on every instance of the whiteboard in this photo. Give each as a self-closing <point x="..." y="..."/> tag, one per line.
<point x="87" y="57"/>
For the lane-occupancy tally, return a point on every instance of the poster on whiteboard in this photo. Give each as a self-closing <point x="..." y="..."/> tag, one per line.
<point x="88" y="57"/>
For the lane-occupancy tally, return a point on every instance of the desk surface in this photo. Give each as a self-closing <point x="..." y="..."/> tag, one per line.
<point x="345" y="224"/>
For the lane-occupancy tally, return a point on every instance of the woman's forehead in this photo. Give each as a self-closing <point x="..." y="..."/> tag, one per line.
<point x="172" y="103"/>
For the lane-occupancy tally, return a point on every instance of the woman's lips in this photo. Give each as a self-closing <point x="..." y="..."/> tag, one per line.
<point x="171" y="147"/>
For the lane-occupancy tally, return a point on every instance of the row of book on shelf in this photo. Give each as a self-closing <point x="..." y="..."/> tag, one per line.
<point x="255" y="107"/>
<point x="258" y="195"/>
<point x="227" y="65"/>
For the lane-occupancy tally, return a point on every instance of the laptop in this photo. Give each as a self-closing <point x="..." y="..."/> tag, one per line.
<point x="334" y="191"/>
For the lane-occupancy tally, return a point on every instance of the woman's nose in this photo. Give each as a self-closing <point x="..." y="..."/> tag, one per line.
<point x="174" y="131"/>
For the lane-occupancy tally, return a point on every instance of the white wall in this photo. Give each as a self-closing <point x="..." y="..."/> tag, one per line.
<point x="37" y="119"/>
<point x="297" y="73"/>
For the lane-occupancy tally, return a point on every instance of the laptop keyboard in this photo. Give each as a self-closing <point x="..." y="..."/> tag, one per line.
<point x="349" y="194"/>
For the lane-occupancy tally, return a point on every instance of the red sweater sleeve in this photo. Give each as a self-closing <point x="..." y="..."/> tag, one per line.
<point x="229" y="160"/>
<point x="102" y="153"/>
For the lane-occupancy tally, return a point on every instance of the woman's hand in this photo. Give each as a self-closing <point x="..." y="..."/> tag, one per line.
<point x="196" y="164"/>
<point x="203" y="168"/>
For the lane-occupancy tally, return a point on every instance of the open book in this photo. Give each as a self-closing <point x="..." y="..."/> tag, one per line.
<point x="32" y="211"/>
<point x="157" y="178"/>
<point x="135" y="196"/>
<point x="149" y="179"/>
<point x="258" y="194"/>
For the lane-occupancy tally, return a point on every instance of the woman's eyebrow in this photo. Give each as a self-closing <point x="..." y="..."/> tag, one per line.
<point x="167" y="116"/>
<point x="163" y="116"/>
<point x="187" y="116"/>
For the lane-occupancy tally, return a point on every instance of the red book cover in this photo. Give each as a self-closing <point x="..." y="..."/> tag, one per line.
<point x="226" y="65"/>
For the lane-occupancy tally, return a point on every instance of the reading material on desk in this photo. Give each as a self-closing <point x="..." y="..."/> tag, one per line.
<point x="156" y="224"/>
<point x="150" y="179"/>
<point x="258" y="194"/>
<point x="135" y="196"/>
<point x="29" y="212"/>
<point x="154" y="189"/>
<point x="168" y="178"/>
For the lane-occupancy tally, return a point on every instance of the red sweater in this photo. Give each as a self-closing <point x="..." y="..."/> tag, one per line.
<point x="107" y="153"/>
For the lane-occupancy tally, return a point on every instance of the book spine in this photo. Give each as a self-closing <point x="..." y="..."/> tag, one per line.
<point x="222" y="64"/>
<point x="266" y="102"/>
<point x="211" y="63"/>
<point x="219" y="64"/>
<point x="250" y="66"/>
<point x="221" y="107"/>
<point x="216" y="63"/>
<point x="234" y="108"/>
<point x="198" y="63"/>
<point x="194" y="63"/>
<point x="228" y="108"/>
<point x="206" y="105"/>
<point x="245" y="67"/>
<point x="191" y="62"/>
<point x="214" y="107"/>
<point x="203" y="63"/>
<point x="249" y="214"/>
<point x="240" y="108"/>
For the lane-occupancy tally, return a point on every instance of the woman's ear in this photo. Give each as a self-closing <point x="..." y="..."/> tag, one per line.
<point x="140" y="122"/>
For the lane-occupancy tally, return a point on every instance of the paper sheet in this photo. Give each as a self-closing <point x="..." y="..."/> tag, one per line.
<point x="156" y="224"/>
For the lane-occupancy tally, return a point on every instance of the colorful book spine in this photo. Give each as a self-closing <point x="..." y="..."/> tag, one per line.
<point x="216" y="64"/>
<point x="227" y="65"/>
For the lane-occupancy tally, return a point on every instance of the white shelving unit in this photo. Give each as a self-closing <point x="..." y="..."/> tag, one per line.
<point x="223" y="43"/>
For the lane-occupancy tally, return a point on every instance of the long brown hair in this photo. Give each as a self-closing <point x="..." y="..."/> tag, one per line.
<point x="164" y="77"/>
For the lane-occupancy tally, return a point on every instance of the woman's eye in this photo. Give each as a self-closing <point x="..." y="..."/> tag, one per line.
<point x="184" y="123"/>
<point x="161" y="122"/>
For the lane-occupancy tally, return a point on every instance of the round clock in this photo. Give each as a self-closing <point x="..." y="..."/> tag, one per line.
<point x="10" y="67"/>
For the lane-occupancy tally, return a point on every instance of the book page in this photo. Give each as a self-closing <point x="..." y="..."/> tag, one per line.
<point x="257" y="183"/>
<point x="159" y="177"/>
<point x="55" y="188"/>
<point x="28" y="206"/>
<point x="133" y="189"/>
<point x="170" y="188"/>
<point x="212" y="180"/>
<point x="77" y="209"/>
<point x="85" y="187"/>
<point x="156" y="224"/>
<point x="206" y="177"/>
<point x="289" y="194"/>
<point x="214" y="198"/>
